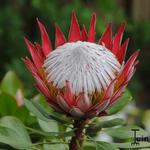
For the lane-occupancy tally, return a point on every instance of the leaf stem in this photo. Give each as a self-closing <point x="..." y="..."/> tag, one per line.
<point x="77" y="140"/>
<point x="41" y="143"/>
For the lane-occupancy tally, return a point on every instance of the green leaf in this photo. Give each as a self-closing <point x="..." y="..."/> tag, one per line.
<point x="13" y="133"/>
<point x="40" y="112"/>
<point x="146" y="120"/>
<point x="8" y="106"/>
<point x="128" y="145"/>
<point x="50" y="126"/>
<point x="41" y="100"/>
<point x="51" y="115"/>
<point x="11" y="83"/>
<point x="95" y="127"/>
<point x="89" y="147"/>
<point x="10" y="137"/>
<point x="105" y="146"/>
<point x="52" y="134"/>
<point x="55" y="147"/>
<point x="31" y="107"/>
<point x="99" y="145"/>
<point x="120" y="103"/>
<point x="125" y="132"/>
<point x="111" y="123"/>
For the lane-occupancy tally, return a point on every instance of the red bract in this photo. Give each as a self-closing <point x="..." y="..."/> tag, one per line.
<point x="79" y="77"/>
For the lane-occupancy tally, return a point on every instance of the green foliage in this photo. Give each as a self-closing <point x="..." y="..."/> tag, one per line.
<point x="125" y="132"/>
<point x="95" y="127"/>
<point x="39" y="111"/>
<point x="55" y="147"/>
<point x="58" y="134"/>
<point x="111" y="123"/>
<point x="13" y="133"/>
<point x="127" y="145"/>
<point x="96" y="145"/>
<point x="11" y="84"/>
<point x="50" y="126"/>
<point x="8" y="106"/>
<point x="120" y="103"/>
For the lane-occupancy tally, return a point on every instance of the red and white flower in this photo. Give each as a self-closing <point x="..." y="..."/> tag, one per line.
<point x="80" y="77"/>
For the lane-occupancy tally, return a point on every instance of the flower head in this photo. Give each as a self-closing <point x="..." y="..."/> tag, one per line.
<point x="80" y="77"/>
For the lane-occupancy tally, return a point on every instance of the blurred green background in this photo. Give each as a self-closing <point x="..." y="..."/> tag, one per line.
<point x="18" y="19"/>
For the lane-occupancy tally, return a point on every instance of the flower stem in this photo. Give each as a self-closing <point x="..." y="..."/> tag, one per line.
<point x="77" y="140"/>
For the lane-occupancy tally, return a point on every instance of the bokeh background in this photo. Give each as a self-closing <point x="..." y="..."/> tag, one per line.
<point x="18" y="19"/>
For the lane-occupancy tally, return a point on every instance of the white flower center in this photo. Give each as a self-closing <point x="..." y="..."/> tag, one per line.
<point x="88" y="66"/>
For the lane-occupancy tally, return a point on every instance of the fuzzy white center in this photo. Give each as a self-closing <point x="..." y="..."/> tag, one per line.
<point x="88" y="66"/>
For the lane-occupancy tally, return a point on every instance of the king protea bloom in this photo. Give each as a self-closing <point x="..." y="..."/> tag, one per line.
<point x="79" y="77"/>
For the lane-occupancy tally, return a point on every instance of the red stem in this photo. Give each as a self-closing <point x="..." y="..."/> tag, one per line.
<point x="77" y="140"/>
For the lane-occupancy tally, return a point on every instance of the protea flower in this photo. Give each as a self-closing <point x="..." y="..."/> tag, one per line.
<point x="79" y="77"/>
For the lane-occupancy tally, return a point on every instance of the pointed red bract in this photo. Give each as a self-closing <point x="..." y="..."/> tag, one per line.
<point x="117" y="94"/>
<point x="42" y="87"/>
<point x="118" y="38"/>
<point x="59" y="38"/>
<point x="83" y="102"/>
<point x="39" y="51"/>
<point x="74" y="32"/>
<point x="68" y="94"/>
<point x="106" y="38"/>
<point x="36" y="59"/>
<point x="91" y="32"/>
<point x="96" y="109"/>
<point x="109" y="91"/>
<point x="131" y="72"/>
<point x="122" y="52"/>
<point x="62" y="103"/>
<point x="129" y="66"/>
<point x="84" y="34"/>
<point x="46" y="44"/>
<point x="130" y="62"/>
<point x="30" y="66"/>
<point x="104" y="102"/>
